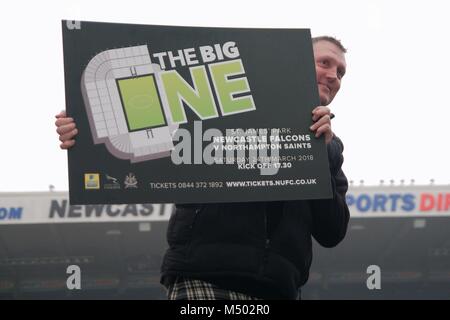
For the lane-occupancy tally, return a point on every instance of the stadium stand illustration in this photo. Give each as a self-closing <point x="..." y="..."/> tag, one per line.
<point x="126" y="105"/>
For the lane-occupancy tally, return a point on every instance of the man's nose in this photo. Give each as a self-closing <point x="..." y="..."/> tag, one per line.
<point x="331" y="75"/>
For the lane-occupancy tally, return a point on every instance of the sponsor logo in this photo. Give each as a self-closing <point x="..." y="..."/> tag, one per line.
<point x="131" y="181"/>
<point x="112" y="182"/>
<point x="91" y="181"/>
<point x="12" y="213"/>
<point x="61" y="210"/>
<point x="399" y="202"/>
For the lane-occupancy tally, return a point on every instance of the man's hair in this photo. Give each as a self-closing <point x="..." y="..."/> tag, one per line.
<point x="333" y="40"/>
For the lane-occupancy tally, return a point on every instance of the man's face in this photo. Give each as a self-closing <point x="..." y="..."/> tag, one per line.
<point x="330" y="68"/>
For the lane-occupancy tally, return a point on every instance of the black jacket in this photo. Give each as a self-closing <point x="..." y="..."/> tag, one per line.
<point x="263" y="249"/>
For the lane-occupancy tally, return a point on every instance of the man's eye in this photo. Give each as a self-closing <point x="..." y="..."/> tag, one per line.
<point x="324" y="63"/>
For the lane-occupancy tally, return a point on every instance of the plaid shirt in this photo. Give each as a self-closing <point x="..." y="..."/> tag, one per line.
<point x="191" y="289"/>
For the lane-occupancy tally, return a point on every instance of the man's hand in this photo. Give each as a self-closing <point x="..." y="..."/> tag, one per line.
<point x="66" y="129"/>
<point x="322" y="123"/>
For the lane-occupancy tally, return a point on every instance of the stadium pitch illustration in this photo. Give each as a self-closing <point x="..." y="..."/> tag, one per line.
<point x="126" y="104"/>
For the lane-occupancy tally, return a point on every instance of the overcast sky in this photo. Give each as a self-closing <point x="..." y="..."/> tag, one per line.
<point x="392" y="112"/>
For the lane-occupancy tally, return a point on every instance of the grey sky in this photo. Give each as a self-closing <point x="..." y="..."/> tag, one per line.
<point x="392" y="112"/>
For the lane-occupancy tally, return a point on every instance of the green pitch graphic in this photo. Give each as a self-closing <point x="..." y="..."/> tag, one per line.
<point x="141" y="103"/>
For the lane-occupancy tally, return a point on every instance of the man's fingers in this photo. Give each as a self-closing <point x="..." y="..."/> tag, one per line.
<point x="68" y="136"/>
<point x="322" y="121"/>
<point x="65" y="128"/>
<point x="320" y="111"/>
<point x="63" y="121"/>
<point x="67" y="144"/>
<point x="324" y="129"/>
<point x="322" y="118"/>
<point x="62" y="114"/>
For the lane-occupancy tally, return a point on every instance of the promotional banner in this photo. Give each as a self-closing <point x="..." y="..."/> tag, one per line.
<point x="54" y="207"/>
<point x="363" y="202"/>
<point x="408" y="201"/>
<point x="191" y="115"/>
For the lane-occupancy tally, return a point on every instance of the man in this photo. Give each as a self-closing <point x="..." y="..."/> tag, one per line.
<point x="256" y="250"/>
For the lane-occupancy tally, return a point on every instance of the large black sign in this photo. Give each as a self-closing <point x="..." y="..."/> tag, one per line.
<point x="190" y="115"/>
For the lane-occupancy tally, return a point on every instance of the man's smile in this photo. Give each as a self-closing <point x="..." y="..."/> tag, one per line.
<point x="325" y="86"/>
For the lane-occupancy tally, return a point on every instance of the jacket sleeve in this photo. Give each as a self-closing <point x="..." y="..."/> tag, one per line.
<point x="330" y="216"/>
